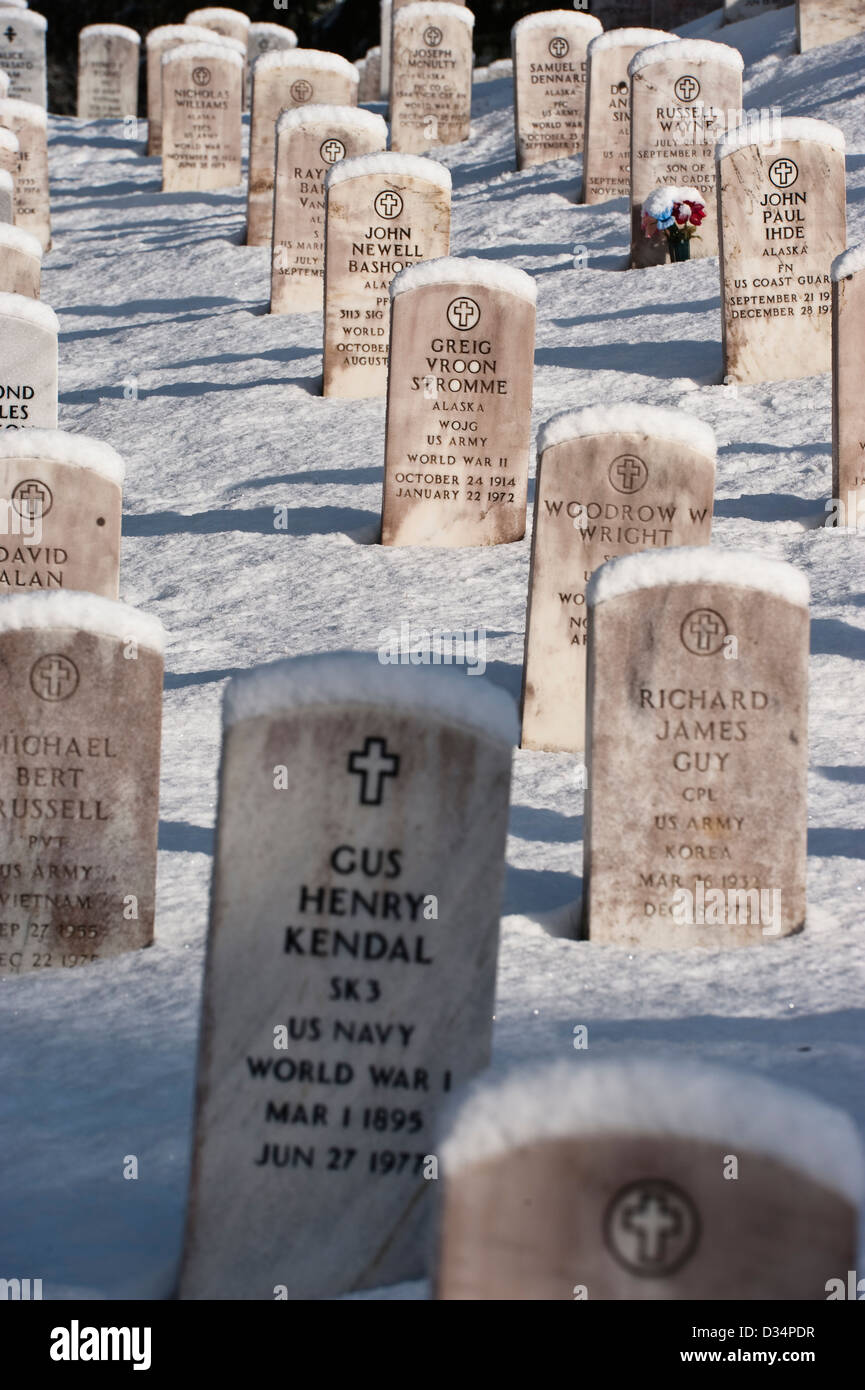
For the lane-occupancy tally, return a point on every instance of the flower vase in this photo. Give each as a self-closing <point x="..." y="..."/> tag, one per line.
<point x="680" y="249"/>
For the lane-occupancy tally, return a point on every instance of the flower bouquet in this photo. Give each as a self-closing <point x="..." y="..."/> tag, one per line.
<point x="675" y="213"/>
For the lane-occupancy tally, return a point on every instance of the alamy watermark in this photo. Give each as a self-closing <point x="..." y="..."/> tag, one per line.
<point x="719" y="907"/>
<point x="405" y="645"/>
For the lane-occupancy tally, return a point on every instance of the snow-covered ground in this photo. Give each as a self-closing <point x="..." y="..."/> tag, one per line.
<point x="157" y="292"/>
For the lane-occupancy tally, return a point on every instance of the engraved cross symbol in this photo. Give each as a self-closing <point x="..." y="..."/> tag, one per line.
<point x="32" y="497"/>
<point x="10" y="34"/>
<point x="703" y="629"/>
<point x="373" y="765"/>
<point x="687" y="87"/>
<point x="463" y="310"/>
<point x="652" y="1221"/>
<point x="559" y="47"/>
<point x="629" y="470"/>
<point x="783" y="172"/>
<point x="388" y="204"/>
<point x="333" y="150"/>
<point x="55" y="676"/>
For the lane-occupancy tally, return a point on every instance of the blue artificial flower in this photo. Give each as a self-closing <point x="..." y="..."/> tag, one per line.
<point x="667" y="221"/>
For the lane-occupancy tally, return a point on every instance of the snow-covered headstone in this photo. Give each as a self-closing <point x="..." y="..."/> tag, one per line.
<point x="459" y="404"/>
<point x="108" y="57"/>
<point x="266" y="38"/>
<point x="549" y="57"/>
<point x="350" y="969"/>
<point x="9" y="151"/>
<point x="783" y="221"/>
<point x="646" y="1180"/>
<point x="28" y="363"/>
<point x="384" y="212"/>
<point x="202" y="120"/>
<point x="309" y="141"/>
<point x="370" y="79"/>
<point x="609" y="482"/>
<point x="431" y="76"/>
<point x="22" y="54"/>
<point x="7" y="198"/>
<point x="848" y="384"/>
<point x="231" y="24"/>
<point x="734" y="10"/>
<point x="79" y="778"/>
<point x="697" y="743"/>
<point x="29" y="124"/>
<point x="159" y="42"/>
<point x="60" y="524"/>
<point x="280" y="82"/>
<point x="20" y="261"/>
<point x="682" y="96"/>
<point x="607" y="152"/>
<point x="820" y="22"/>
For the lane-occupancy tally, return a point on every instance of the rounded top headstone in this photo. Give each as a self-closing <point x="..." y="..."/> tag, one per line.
<point x="544" y="18"/>
<point x="648" y="1097"/>
<point x="23" y="307"/>
<point x="676" y="426"/>
<point x="8" y="139"/>
<point x="359" y="678"/>
<point x="687" y="51"/>
<point x="305" y="58"/>
<point x="297" y="116"/>
<point x="627" y="38"/>
<point x="77" y="450"/>
<point x="437" y="9"/>
<point x="465" y="270"/>
<point x="703" y="564"/>
<point x="104" y="617"/>
<point x="109" y="31"/>
<point x="184" y="33"/>
<point x="216" y="13"/>
<point x="16" y="109"/>
<point x="16" y="239"/>
<point x="40" y="21"/>
<point x="389" y="164"/>
<point x="783" y="128"/>
<point x="849" y="262"/>
<point x="192" y="51"/>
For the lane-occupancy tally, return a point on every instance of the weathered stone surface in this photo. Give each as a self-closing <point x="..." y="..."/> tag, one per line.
<point x="7" y="198"/>
<point x="232" y="24"/>
<point x="827" y="21"/>
<point x="848" y="385"/>
<point x="370" y="76"/>
<point x="609" y="482"/>
<point x="683" y="95"/>
<point x="28" y="364"/>
<point x="20" y="262"/>
<point x="384" y="212"/>
<point x="108" y="57"/>
<point x="9" y="151"/>
<point x="29" y="124"/>
<point x="280" y="82"/>
<point x="60" y="521"/>
<point x="22" y="54"/>
<point x="607" y="153"/>
<point x="79" y="778"/>
<point x="350" y="971"/>
<point x="612" y="1181"/>
<point x="697" y="739"/>
<point x="464" y="335"/>
<point x="783" y="222"/>
<point x="309" y="141"/>
<point x="549" y="56"/>
<point x="431" y="76"/>
<point x="202" y="102"/>
<point x="159" y="42"/>
<point x="386" y="26"/>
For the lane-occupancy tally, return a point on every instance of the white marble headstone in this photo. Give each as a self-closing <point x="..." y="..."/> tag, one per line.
<point x="607" y="140"/>
<point x="819" y="22"/>
<point x="28" y="363"/>
<point x="22" y="54"/>
<point x="20" y="261"/>
<point x="431" y="76"/>
<point x="108" y="57"/>
<point x="157" y="44"/>
<point x="202" y="106"/>
<point x="29" y="123"/>
<point x="549" y="56"/>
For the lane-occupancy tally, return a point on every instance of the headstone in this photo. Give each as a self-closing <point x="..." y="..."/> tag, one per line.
<point x="431" y="76"/>
<point x="820" y="22"/>
<point x="386" y="25"/>
<point x="384" y="212"/>
<point x="607" y="153"/>
<point x="60" y="527"/>
<point x="202" y="117"/>
<point x="159" y="42"/>
<point x="9" y="152"/>
<point x="309" y="141"/>
<point x="682" y="96"/>
<point x="549" y="56"/>
<point x="280" y="82"/>
<point x="22" y="54"/>
<point x="232" y="24"/>
<point x="380" y="855"/>
<point x="28" y="364"/>
<point x="607" y="1182"/>
<point x="697" y="740"/>
<point x="79" y="778"/>
<point x="108" y="56"/>
<point x="610" y="481"/>
<point x="848" y="384"/>
<point x="734" y="10"/>
<point x="370" y="81"/>
<point x="266" y="38"/>
<point x="783" y="222"/>
<point x="459" y="404"/>
<point x="7" y="198"/>
<point x="29" y="124"/>
<point x="20" y="262"/>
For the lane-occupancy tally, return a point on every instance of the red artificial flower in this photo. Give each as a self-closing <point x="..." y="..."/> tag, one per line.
<point x="698" y="212"/>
